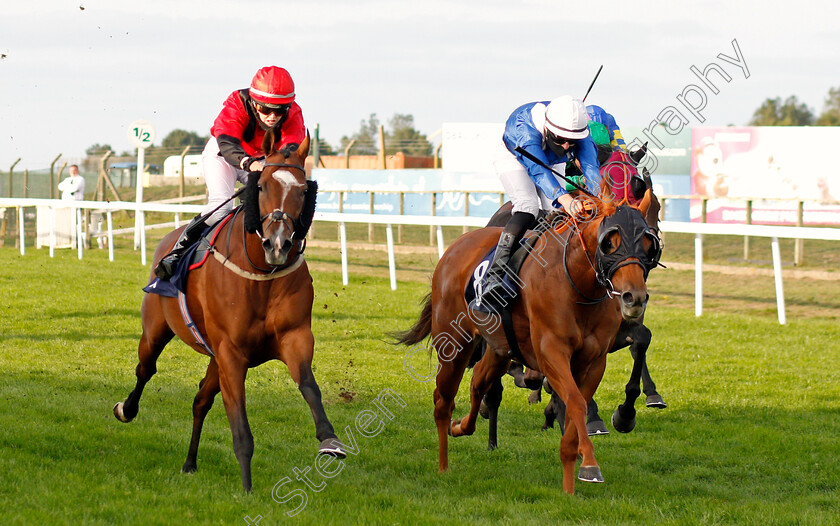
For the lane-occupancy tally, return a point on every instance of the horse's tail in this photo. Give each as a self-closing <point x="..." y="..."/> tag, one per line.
<point x="422" y="328"/>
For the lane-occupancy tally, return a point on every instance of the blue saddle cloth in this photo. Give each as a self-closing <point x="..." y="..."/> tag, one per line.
<point x="178" y="281"/>
<point x="491" y="304"/>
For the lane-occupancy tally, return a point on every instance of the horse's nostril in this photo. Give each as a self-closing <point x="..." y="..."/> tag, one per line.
<point x="627" y="298"/>
<point x="647" y="297"/>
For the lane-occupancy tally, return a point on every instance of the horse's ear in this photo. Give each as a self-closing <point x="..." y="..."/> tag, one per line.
<point x="644" y="204"/>
<point x="268" y="142"/>
<point x="639" y="154"/>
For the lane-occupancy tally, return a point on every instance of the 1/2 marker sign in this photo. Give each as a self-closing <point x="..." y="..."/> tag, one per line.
<point x="141" y="133"/>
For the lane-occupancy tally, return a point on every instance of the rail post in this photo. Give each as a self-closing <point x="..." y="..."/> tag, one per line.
<point x="402" y="212"/>
<point x="466" y="210"/>
<point x="181" y="182"/>
<point x="53" y="180"/>
<point x="799" y="244"/>
<point x="432" y="233"/>
<point x="749" y="222"/>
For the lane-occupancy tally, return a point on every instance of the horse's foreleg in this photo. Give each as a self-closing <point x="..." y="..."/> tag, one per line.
<point x="653" y="399"/>
<point x="232" y="372"/>
<point x="208" y="388"/>
<point x="488" y="370"/>
<point x="575" y="438"/>
<point x="624" y="417"/>
<point x="298" y="349"/>
<point x="156" y="334"/>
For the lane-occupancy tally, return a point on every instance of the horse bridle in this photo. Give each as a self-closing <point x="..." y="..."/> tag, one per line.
<point x="277" y="215"/>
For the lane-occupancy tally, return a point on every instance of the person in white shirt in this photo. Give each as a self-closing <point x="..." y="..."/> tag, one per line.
<point x="74" y="186"/>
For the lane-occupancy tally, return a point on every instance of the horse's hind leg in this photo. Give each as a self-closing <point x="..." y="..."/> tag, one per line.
<point x="490" y="369"/>
<point x="208" y="388"/>
<point x="298" y="349"/>
<point x="594" y="423"/>
<point x="156" y="334"/>
<point x="494" y="400"/>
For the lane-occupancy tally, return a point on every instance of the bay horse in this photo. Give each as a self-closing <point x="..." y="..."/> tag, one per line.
<point x="250" y="303"/>
<point x="626" y="185"/>
<point x="556" y="333"/>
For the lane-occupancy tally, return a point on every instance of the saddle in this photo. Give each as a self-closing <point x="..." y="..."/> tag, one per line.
<point x="502" y="305"/>
<point x="193" y="258"/>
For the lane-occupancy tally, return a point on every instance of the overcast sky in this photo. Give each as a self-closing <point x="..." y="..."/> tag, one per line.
<point x="78" y="73"/>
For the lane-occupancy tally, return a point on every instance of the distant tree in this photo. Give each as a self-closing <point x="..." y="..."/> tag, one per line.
<point x="179" y="138"/>
<point x="98" y="149"/>
<point x="831" y="110"/>
<point x="774" y="112"/>
<point x="324" y="148"/>
<point x="402" y="137"/>
<point x="367" y="138"/>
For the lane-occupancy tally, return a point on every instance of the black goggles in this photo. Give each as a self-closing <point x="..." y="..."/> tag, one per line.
<point x="560" y="141"/>
<point x="267" y="110"/>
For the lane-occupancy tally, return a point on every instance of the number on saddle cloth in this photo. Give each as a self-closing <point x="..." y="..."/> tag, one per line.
<point x="495" y="304"/>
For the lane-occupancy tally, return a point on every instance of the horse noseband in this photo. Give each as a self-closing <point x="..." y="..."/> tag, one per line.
<point x="633" y="229"/>
<point x="279" y="216"/>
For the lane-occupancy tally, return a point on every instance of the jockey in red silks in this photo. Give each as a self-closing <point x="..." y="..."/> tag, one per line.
<point x="554" y="132"/>
<point x="235" y="147"/>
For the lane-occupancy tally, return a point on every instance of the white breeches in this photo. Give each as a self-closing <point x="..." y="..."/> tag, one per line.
<point x="220" y="178"/>
<point x="523" y="192"/>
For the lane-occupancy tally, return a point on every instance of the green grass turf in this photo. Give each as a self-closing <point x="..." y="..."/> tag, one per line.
<point x="749" y="437"/>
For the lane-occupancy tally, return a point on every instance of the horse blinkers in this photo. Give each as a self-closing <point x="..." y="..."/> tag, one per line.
<point x="279" y="243"/>
<point x="633" y="231"/>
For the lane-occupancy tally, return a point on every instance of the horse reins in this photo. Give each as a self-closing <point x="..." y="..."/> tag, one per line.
<point x="275" y="216"/>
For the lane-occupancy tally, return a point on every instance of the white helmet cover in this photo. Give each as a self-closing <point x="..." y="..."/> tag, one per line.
<point x="567" y="117"/>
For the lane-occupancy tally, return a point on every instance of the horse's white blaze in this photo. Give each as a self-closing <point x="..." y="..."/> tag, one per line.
<point x="285" y="178"/>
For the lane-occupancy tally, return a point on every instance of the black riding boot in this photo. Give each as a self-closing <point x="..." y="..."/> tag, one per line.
<point x="515" y="228"/>
<point x="168" y="263"/>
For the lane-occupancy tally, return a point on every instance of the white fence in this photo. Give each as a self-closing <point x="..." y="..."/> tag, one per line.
<point x="698" y="229"/>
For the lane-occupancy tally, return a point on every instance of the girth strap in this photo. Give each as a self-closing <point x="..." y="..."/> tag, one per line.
<point x="185" y="313"/>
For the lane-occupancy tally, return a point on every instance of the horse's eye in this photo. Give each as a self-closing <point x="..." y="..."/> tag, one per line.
<point x="259" y="188"/>
<point x="607" y="244"/>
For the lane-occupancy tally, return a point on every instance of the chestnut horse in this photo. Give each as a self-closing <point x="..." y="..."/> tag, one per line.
<point x="558" y="331"/>
<point x="251" y="303"/>
<point x="627" y="186"/>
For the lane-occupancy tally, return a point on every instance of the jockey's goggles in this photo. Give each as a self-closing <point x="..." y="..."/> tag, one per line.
<point x="560" y="141"/>
<point x="268" y="110"/>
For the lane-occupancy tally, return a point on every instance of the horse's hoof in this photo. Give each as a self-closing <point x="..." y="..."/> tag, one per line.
<point x="655" y="401"/>
<point x="621" y="424"/>
<point x="597" y="427"/>
<point x="590" y="474"/>
<point x="118" y="412"/>
<point x="492" y="446"/>
<point x="483" y="411"/>
<point x="332" y="447"/>
<point x="188" y="467"/>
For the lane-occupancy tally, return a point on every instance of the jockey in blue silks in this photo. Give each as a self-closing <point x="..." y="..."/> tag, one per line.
<point x="554" y="132"/>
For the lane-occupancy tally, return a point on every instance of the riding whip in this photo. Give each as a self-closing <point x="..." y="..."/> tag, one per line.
<point x="593" y="83"/>
<point x="530" y="156"/>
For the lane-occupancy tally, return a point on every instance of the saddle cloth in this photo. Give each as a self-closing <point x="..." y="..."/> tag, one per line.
<point x="494" y="304"/>
<point x="193" y="258"/>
